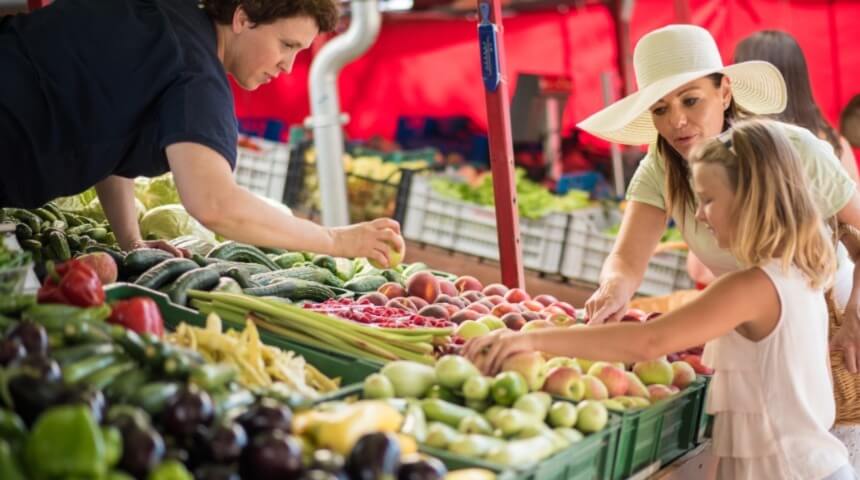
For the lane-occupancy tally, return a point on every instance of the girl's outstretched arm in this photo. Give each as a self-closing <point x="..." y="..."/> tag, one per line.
<point x="746" y="299"/>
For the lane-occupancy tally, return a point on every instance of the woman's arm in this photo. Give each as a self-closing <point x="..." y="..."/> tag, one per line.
<point x="210" y="194"/>
<point x="742" y="298"/>
<point x="623" y="270"/>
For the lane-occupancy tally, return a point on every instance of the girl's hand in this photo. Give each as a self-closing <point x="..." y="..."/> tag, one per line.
<point x="606" y="305"/>
<point x="161" y="245"/>
<point x="847" y="339"/>
<point x="489" y="352"/>
<point x="373" y="240"/>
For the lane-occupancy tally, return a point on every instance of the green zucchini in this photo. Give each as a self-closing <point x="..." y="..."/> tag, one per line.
<point x="287" y="260"/>
<point x="165" y="272"/>
<point x="130" y="341"/>
<point x="366" y="283"/>
<point x="327" y="262"/>
<point x="197" y="279"/>
<point x="125" y="386"/>
<point x="72" y="354"/>
<point x="294" y="289"/>
<point x="45" y="215"/>
<point x="31" y="219"/>
<point x="153" y="397"/>
<point x="240" y="277"/>
<point x="106" y="376"/>
<point x="272" y="250"/>
<point x="23" y="232"/>
<point x="228" y="285"/>
<point x="239" y="252"/>
<point x="309" y="273"/>
<point x="392" y="276"/>
<point x="77" y="371"/>
<point x="142" y="259"/>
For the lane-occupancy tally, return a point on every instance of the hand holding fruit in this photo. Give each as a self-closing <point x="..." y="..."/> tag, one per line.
<point x="489" y="352"/>
<point x="606" y="305"/>
<point x="378" y="240"/>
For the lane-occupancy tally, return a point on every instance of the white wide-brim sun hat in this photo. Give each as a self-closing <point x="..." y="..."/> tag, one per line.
<point x="670" y="57"/>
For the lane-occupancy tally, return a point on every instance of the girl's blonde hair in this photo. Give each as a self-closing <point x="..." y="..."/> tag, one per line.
<point x="773" y="207"/>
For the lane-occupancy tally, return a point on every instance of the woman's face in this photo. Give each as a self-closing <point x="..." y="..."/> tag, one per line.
<point x="692" y="113"/>
<point x="715" y="194"/>
<point x="257" y="54"/>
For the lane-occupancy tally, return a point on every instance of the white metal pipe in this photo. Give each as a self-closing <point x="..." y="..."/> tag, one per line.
<point x="326" y="118"/>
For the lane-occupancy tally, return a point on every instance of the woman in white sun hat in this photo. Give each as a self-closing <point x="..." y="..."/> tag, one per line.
<point x="686" y="95"/>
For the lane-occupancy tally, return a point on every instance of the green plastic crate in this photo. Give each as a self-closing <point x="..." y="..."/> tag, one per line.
<point x="350" y="370"/>
<point x="660" y="433"/>
<point x="705" y="420"/>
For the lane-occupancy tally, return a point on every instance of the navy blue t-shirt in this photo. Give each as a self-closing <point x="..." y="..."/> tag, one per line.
<point x="93" y="88"/>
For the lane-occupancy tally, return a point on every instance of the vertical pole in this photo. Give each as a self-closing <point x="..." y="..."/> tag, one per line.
<point x="492" y="49"/>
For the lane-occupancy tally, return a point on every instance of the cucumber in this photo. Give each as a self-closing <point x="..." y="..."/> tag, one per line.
<point x="228" y="285"/>
<point x="72" y="354"/>
<point x="289" y="259"/>
<point x="212" y="376"/>
<point x="310" y="273"/>
<point x="272" y="250"/>
<point x="31" y="219"/>
<point x="345" y="268"/>
<point x="77" y="371"/>
<point x="130" y="342"/>
<point x="165" y="272"/>
<point x="153" y="397"/>
<point x="23" y="232"/>
<point x="142" y="259"/>
<point x="45" y="215"/>
<point x="413" y="268"/>
<point x="446" y="412"/>
<point x="367" y="283"/>
<point x="393" y="276"/>
<point x="240" y="252"/>
<point x="127" y="385"/>
<point x="248" y="269"/>
<point x="106" y="376"/>
<point x="294" y="289"/>
<point x="59" y="246"/>
<point x="197" y="279"/>
<point x="327" y="262"/>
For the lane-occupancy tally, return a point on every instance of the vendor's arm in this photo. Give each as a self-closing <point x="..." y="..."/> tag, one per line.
<point x="210" y="194"/>
<point x="847" y="338"/>
<point x="745" y="298"/>
<point x="622" y="272"/>
<point x="116" y="194"/>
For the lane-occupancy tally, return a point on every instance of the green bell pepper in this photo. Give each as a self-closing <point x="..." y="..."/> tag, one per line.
<point x="66" y="441"/>
<point x="8" y="465"/>
<point x="170" y="470"/>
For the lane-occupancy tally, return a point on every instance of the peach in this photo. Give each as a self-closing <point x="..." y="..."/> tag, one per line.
<point x="659" y="392"/>
<point x="613" y="377"/>
<point x="423" y="285"/>
<point x="503" y="308"/>
<point x="452" y="309"/>
<point x="495" y="289"/>
<point x="684" y="374"/>
<point x="545" y="300"/>
<point x="418" y="302"/>
<point x="375" y="298"/>
<point x="535" y="325"/>
<point x="553" y="310"/>
<point x="479" y="308"/>
<point x="448" y="288"/>
<point x="463" y="315"/>
<point x="517" y="295"/>
<point x="531" y="305"/>
<point x="513" y="320"/>
<point x="495" y="299"/>
<point x="654" y="371"/>
<point x="531" y="365"/>
<point x="472" y="296"/>
<point x="434" y="311"/>
<point x="401" y="302"/>
<point x="531" y="316"/>
<point x="635" y="387"/>
<point x="392" y="290"/>
<point x="568" y="308"/>
<point x="594" y="388"/>
<point x="565" y="382"/>
<point x="468" y="283"/>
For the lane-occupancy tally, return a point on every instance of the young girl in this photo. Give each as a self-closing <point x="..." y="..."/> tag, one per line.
<point x="766" y="324"/>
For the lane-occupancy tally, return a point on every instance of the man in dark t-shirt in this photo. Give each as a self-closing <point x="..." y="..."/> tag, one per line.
<point x="97" y="92"/>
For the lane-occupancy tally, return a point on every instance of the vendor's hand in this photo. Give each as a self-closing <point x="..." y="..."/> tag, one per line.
<point x="847" y="339"/>
<point x="606" y="305"/>
<point x="373" y="240"/>
<point x="161" y="245"/>
<point x="489" y="352"/>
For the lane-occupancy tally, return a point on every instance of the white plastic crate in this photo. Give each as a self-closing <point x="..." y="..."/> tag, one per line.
<point x="264" y="171"/>
<point x="587" y="247"/>
<point x="467" y="228"/>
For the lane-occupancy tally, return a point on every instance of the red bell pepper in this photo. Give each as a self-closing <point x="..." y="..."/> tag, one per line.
<point x="139" y="314"/>
<point x="72" y="283"/>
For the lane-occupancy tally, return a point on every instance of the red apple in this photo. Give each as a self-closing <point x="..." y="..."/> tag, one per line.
<point x="418" y="302"/>
<point x="464" y="315"/>
<point x="482" y="309"/>
<point x="545" y="299"/>
<point x="568" y="308"/>
<point x="434" y="311"/>
<point x="513" y="320"/>
<point x="565" y="382"/>
<point x="517" y="295"/>
<point x="401" y="302"/>
<point x="532" y="305"/>
<point x="448" y="288"/>
<point x="374" y="298"/>
<point x="468" y="283"/>
<point x="495" y="289"/>
<point x="503" y="308"/>
<point x="423" y="285"/>
<point x="392" y="290"/>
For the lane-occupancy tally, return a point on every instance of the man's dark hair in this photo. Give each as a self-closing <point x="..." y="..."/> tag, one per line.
<point x="324" y="12"/>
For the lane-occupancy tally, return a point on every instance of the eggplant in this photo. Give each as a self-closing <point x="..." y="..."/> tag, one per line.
<point x="89" y="397"/>
<point x="421" y="468"/>
<point x="216" y="472"/>
<point x="32" y="335"/>
<point x="143" y="449"/>
<point x="11" y="350"/>
<point x="266" y="415"/>
<point x="187" y="410"/>
<point x="40" y="366"/>
<point x="375" y="456"/>
<point x="272" y="455"/>
<point x="31" y="396"/>
<point x="226" y="442"/>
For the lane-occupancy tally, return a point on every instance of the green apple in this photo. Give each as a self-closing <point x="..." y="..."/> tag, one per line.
<point x="492" y="322"/>
<point x="562" y="414"/>
<point x="477" y="387"/>
<point x="394" y="258"/>
<point x="378" y="386"/>
<point x="452" y="371"/>
<point x="592" y="416"/>
<point x="471" y="329"/>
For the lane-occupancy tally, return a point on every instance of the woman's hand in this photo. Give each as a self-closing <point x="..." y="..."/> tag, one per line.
<point x="847" y="339"/>
<point x="161" y="245"/>
<point x="374" y="240"/>
<point x="489" y="352"/>
<point x="607" y="305"/>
